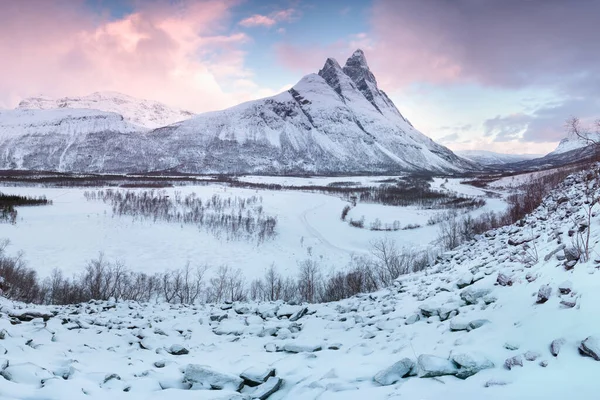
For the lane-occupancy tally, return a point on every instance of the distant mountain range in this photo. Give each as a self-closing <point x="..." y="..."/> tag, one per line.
<point x="483" y="157"/>
<point x="336" y="121"/>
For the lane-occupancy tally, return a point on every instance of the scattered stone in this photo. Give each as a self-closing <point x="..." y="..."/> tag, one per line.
<point x="456" y="326"/>
<point x="571" y="254"/>
<point x="64" y="372"/>
<point x="478" y="323"/>
<point x="160" y="363"/>
<point x="226" y="306"/>
<point x="591" y="347"/>
<point x="543" y="364"/>
<point x="530" y="277"/>
<point x="570" y="264"/>
<point x="412" y="319"/>
<point x="201" y="377"/>
<point x="266" y="389"/>
<point x="218" y="317"/>
<point x="512" y="362"/>
<point x="255" y="376"/>
<point x="395" y="372"/>
<point x="428" y="311"/>
<point x="556" y="345"/>
<point x="566" y="287"/>
<point x="299" y="314"/>
<point x="531" y="355"/>
<point x="494" y="382"/>
<point x="27" y="316"/>
<point x="544" y="294"/>
<point x="241" y="309"/>
<point x="472" y="295"/>
<point x="447" y="313"/>
<point x="177" y="350"/>
<point x="568" y="303"/>
<point x="286" y="310"/>
<point x="26" y="373"/>
<point x="432" y="366"/>
<point x="110" y="377"/>
<point x="470" y="364"/>
<point x="301" y="348"/>
<point x="465" y="281"/>
<point x="504" y="280"/>
<point x="334" y="346"/>
<point x="271" y="348"/>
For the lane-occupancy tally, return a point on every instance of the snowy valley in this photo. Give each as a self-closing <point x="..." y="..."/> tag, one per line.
<point x="509" y="314"/>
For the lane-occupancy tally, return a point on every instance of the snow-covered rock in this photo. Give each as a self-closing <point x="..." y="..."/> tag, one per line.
<point x="431" y="366"/>
<point x="205" y="378"/>
<point x="395" y="372"/>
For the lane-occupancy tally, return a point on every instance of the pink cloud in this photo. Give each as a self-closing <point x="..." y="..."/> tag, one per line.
<point x="258" y="20"/>
<point x="178" y="53"/>
<point x="270" y="20"/>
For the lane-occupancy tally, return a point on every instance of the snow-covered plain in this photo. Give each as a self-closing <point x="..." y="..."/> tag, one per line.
<point x="486" y="310"/>
<point x="70" y="232"/>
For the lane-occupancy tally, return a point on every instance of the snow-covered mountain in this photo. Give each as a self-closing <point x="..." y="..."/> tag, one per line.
<point x="574" y="142"/>
<point x="512" y="314"/>
<point x="484" y="157"/>
<point x="45" y="139"/>
<point x="336" y="121"/>
<point x="145" y="113"/>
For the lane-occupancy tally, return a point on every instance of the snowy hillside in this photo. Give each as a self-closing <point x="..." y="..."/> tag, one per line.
<point x="42" y="139"/>
<point x="574" y="143"/>
<point x="490" y="158"/>
<point x="145" y="113"/>
<point x="509" y="315"/>
<point x="336" y="121"/>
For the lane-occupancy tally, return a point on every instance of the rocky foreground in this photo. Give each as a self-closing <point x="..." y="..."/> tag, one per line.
<point x="511" y="315"/>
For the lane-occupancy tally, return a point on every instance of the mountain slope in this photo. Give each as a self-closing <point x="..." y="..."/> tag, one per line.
<point x="145" y="113"/>
<point x="574" y="143"/>
<point x="62" y="139"/>
<point x="491" y="158"/>
<point x="510" y="315"/>
<point x="336" y="121"/>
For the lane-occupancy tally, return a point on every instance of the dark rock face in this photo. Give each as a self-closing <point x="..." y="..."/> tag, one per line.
<point x="590" y="347"/>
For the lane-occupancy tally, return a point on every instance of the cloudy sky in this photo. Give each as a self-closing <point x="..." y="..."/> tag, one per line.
<point x="498" y="75"/>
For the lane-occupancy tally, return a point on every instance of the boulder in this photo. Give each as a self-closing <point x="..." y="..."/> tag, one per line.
<point x="257" y="375"/>
<point x="395" y="372"/>
<point x="472" y="295"/>
<point x="571" y="254"/>
<point x="200" y="377"/>
<point x="591" y="347"/>
<point x="512" y="362"/>
<point x="511" y="346"/>
<point x="531" y="355"/>
<point x="301" y="348"/>
<point x="544" y="294"/>
<point x="456" y="326"/>
<point x="287" y="310"/>
<point x="465" y="281"/>
<point x="412" y="319"/>
<point x="556" y="345"/>
<point x="428" y="311"/>
<point x="432" y="366"/>
<point x="177" y="350"/>
<point x="470" y="363"/>
<point x="478" y="323"/>
<point x="299" y="314"/>
<point x="266" y="389"/>
<point x="30" y="315"/>
<point x="566" y="287"/>
<point x="504" y="279"/>
<point x="26" y="373"/>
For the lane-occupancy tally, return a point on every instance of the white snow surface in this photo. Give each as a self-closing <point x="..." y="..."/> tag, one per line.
<point x="144" y="113"/>
<point x="71" y="231"/>
<point x="74" y="353"/>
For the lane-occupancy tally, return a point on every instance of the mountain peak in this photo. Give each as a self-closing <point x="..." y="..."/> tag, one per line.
<point x="357" y="68"/>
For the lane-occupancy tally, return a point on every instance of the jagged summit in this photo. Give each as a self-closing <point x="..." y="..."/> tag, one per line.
<point x="358" y="70"/>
